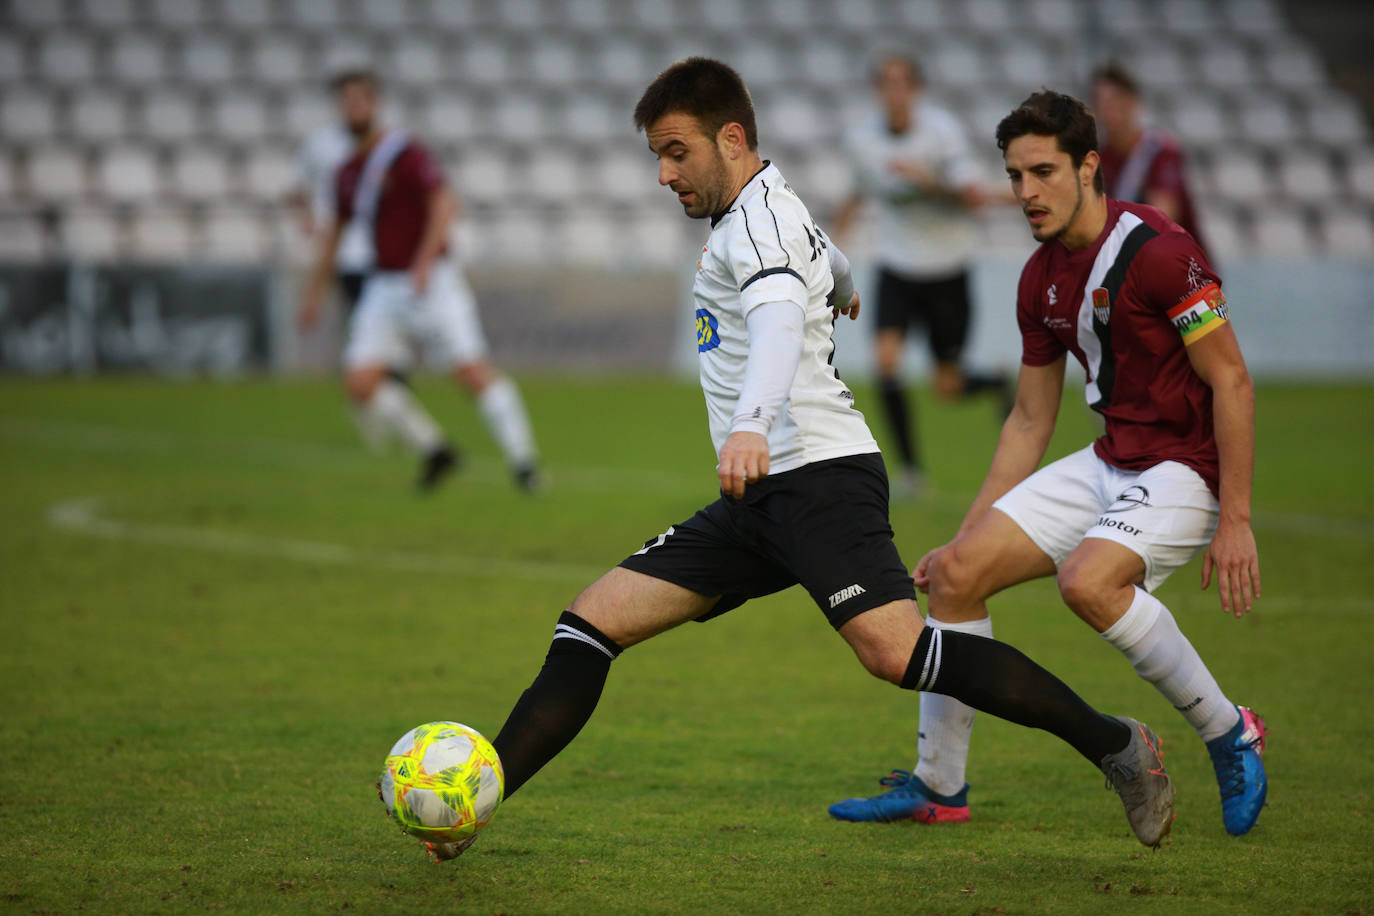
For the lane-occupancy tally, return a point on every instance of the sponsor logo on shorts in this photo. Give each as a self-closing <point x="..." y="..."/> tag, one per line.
<point x="708" y="336"/>
<point x="844" y="594"/>
<point x="1119" y="525"/>
<point x="1133" y="497"/>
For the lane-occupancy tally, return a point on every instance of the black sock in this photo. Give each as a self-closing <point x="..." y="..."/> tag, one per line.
<point x="560" y="701"/>
<point x="992" y="676"/>
<point x="899" y="420"/>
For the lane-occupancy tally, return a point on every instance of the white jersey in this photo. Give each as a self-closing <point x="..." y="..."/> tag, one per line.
<point x="317" y="163"/>
<point x="766" y="248"/>
<point x="919" y="235"/>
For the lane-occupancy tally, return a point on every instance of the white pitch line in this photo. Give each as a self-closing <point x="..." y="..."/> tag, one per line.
<point x="83" y="516"/>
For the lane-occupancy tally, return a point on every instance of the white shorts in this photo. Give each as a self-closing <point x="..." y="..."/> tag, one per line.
<point x="1164" y="514"/>
<point x="391" y="321"/>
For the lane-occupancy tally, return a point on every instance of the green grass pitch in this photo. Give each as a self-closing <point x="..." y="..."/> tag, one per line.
<point x="219" y="611"/>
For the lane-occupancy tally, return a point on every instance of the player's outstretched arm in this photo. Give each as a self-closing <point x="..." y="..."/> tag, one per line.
<point x="1233" y="554"/>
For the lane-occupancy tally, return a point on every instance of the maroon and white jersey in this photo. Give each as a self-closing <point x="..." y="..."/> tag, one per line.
<point x="1127" y="307"/>
<point x="1154" y="165"/>
<point x="402" y="202"/>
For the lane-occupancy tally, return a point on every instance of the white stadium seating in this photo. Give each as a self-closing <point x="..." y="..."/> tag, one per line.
<point x="128" y="174"/>
<point x="56" y="173"/>
<point x="91" y="233"/>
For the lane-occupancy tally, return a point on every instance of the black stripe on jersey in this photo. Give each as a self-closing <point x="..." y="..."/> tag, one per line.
<point x="744" y="212"/>
<point x="1111" y="282"/>
<point x="775" y="223"/>
<point x="768" y="273"/>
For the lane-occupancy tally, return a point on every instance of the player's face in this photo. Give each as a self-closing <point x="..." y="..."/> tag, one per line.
<point x="1046" y="184"/>
<point x="1115" y="108"/>
<point x="896" y="89"/>
<point x="690" y="163"/>
<point x="358" y="107"/>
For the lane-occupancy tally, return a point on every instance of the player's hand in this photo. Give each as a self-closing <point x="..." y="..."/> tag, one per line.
<point x="743" y="460"/>
<point x="852" y="309"/>
<point x="916" y="173"/>
<point x="419" y="277"/>
<point x="1235" y="558"/>
<point x="921" y="574"/>
<point x="309" y="314"/>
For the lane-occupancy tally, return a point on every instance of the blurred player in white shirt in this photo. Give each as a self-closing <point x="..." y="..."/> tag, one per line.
<point x="913" y="162"/>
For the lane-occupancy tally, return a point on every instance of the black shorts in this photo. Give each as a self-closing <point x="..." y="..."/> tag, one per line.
<point x="942" y="305"/>
<point x="351" y="285"/>
<point x="823" y="525"/>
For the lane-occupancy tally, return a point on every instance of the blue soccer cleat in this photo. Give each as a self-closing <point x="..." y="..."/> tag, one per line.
<point x="1240" y="771"/>
<point x="907" y="799"/>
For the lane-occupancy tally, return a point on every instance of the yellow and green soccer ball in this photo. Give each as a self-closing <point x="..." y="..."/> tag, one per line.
<point x="442" y="782"/>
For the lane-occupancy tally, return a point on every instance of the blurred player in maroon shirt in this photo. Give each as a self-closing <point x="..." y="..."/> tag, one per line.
<point x="1131" y="296"/>
<point x="414" y="296"/>
<point x="1139" y="164"/>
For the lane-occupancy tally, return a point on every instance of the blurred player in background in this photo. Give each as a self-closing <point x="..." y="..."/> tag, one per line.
<point x="914" y="163"/>
<point x="803" y="490"/>
<point x="1131" y="296"/>
<point x="1140" y="164"/>
<point x="414" y="295"/>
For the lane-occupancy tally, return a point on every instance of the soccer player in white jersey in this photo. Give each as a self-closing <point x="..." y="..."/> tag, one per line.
<point x="803" y="491"/>
<point x="912" y="162"/>
<point x="414" y="297"/>
<point x="1131" y="296"/>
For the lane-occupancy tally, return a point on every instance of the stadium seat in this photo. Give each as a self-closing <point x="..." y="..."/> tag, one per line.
<point x="829" y="63"/>
<point x="179" y="15"/>
<point x="97" y="115"/>
<point x="925" y="16"/>
<point x="448" y="116"/>
<point x="1188" y="18"/>
<point x="12" y="60"/>
<point x="588" y="17"/>
<point x="306" y="109"/>
<point x="28" y="114"/>
<point x="158" y="234"/>
<point x="554" y="177"/>
<point x="169" y="115"/>
<point x="339" y="51"/>
<point x="128" y="174"/>
<point x="37" y="13"/>
<point x="9" y="175"/>
<point x="826" y="180"/>
<point x="1025" y="63"/>
<point x="619" y="61"/>
<point x="1053" y="17"/>
<point x="792" y="117"/>
<point x="1307" y="176"/>
<point x="249" y="15"/>
<point x="626" y="177"/>
<point x="136" y="58"/>
<point x="989" y="16"/>
<point x="762" y="64"/>
<point x="1226" y="65"/>
<point x="207" y="59"/>
<point x="1253" y="17"/>
<point x="1122" y="17"/>
<point x="554" y="62"/>
<point x="313" y="15"/>
<point x="278" y="59"/>
<point x="1359" y="174"/>
<point x="56" y="173"/>
<point x="519" y="15"/>
<point x="200" y="174"/>
<point x="268" y="172"/>
<point x="66" y="58"/>
<point x="1348" y="232"/>
<point x="1223" y="229"/>
<point x="485" y="176"/>
<point x="486" y="63"/>
<point x="659" y="240"/>
<point x="235" y="235"/>
<point x="104" y="14"/>
<point x="789" y="19"/>
<point x="723" y="17"/>
<point x="23" y="237"/>
<point x="1201" y="120"/>
<point x="1240" y="175"/>
<point x="1336" y="121"/>
<point x="241" y="117"/>
<point x="454" y="16"/>
<point x="90" y="234"/>
<point x="956" y="63"/>
<point x="587" y="118"/>
<point x="1265" y="119"/>
<point x="520" y="119"/>
<point x="511" y="234"/>
<point x="586" y="237"/>
<point x="1282" y="233"/>
<point x="1160" y="63"/>
<point x="654" y="16"/>
<point x="415" y="61"/>
<point x="1293" y="66"/>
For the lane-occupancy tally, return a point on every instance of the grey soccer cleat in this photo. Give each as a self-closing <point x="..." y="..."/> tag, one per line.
<point x="442" y="852"/>
<point x="1137" y="774"/>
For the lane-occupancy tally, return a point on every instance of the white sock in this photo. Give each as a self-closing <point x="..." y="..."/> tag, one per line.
<point x="504" y="413"/>
<point x="1150" y="639"/>
<point x="394" y="408"/>
<point x="946" y="726"/>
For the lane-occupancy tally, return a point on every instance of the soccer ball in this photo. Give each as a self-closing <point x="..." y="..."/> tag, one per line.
<point x="442" y="782"/>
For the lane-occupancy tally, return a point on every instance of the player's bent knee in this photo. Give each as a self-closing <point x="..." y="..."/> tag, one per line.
<point x="361" y="384"/>
<point x="955" y="575"/>
<point x="475" y="377"/>
<point x="1082" y="590"/>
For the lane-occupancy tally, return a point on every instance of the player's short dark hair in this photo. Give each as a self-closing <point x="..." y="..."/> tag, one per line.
<point x="1053" y="114"/>
<point x="1117" y="74"/>
<point x="706" y="89"/>
<point x="361" y="75"/>
<point x="906" y="61"/>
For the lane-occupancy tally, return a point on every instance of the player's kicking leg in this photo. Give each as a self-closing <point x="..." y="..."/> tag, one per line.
<point x="384" y="406"/>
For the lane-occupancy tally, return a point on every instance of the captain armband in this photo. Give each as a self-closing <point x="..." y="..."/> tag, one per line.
<point x="1200" y="314"/>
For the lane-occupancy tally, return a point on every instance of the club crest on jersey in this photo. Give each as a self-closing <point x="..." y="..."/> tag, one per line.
<point x="1102" y="305"/>
<point x="708" y="336"/>
<point x="1053" y="294"/>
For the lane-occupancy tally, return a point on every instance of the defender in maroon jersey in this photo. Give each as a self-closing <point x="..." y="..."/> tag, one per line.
<point x="1131" y="296"/>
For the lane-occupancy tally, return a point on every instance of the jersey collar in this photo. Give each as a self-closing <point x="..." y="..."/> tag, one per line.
<point x="750" y="188"/>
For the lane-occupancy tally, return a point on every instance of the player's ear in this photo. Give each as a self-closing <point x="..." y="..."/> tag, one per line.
<point x="1087" y="170"/>
<point x="730" y="139"/>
